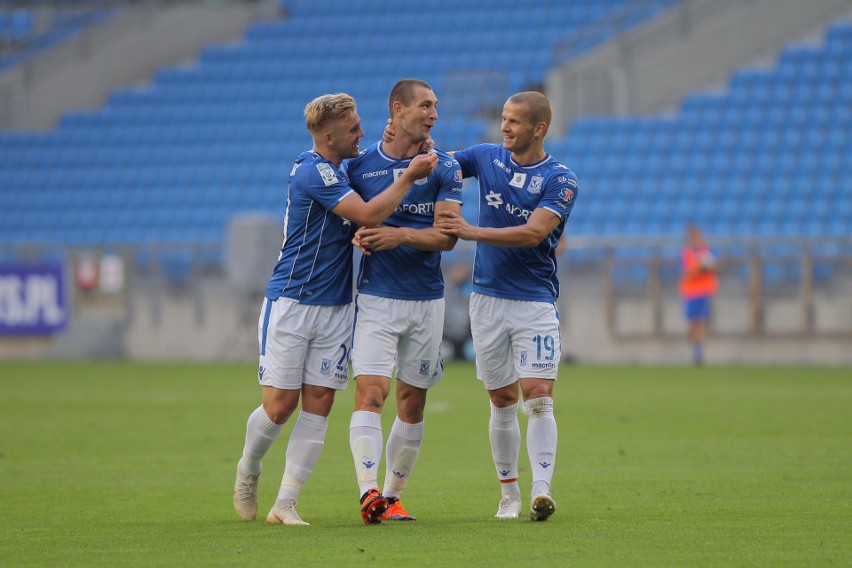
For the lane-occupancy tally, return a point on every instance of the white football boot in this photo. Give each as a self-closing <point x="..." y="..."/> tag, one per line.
<point x="510" y="507"/>
<point x="245" y="496"/>
<point x="284" y="513"/>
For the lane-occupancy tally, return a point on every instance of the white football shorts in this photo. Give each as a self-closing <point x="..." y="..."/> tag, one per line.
<point x="399" y="335"/>
<point x="301" y="344"/>
<point x="514" y="339"/>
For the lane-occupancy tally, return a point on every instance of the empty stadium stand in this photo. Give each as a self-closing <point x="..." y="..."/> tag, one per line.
<point x="171" y="162"/>
<point x="767" y="158"/>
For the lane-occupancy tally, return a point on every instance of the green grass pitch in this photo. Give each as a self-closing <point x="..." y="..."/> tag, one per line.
<point x="126" y="464"/>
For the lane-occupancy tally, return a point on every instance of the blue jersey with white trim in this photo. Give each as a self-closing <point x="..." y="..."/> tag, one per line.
<point x="404" y="273"/>
<point x="315" y="264"/>
<point x="508" y="194"/>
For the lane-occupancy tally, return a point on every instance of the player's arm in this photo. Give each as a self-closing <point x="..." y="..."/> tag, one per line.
<point x="371" y="213"/>
<point x="386" y="238"/>
<point x="541" y="223"/>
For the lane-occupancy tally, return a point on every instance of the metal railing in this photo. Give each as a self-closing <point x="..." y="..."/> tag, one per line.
<point x="761" y="274"/>
<point x="803" y="293"/>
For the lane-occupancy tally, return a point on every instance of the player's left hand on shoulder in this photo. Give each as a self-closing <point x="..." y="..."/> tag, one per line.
<point x="389" y="133"/>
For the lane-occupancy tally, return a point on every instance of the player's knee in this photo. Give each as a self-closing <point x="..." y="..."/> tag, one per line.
<point x="502" y="398"/>
<point x="317" y="400"/>
<point x="410" y="410"/>
<point x="279" y="410"/>
<point x="410" y="402"/>
<point x="538" y="392"/>
<point x="537" y="388"/>
<point x="370" y="398"/>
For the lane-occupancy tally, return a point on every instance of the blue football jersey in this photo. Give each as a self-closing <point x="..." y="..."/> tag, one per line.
<point x="315" y="264"/>
<point x="508" y="194"/>
<point x="404" y="273"/>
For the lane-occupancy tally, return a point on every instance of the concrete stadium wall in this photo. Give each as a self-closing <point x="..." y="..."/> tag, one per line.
<point x="121" y="52"/>
<point x="587" y="337"/>
<point x="212" y="319"/>
<point x="694" y="46"/>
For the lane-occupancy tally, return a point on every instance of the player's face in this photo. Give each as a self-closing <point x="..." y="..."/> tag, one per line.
<point x="420" y="116"/>
<point x="518" y="131"/>
<point x="345" y="134"/>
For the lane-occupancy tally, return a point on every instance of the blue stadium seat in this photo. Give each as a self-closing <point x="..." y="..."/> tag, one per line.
<point x="210" y="138"/>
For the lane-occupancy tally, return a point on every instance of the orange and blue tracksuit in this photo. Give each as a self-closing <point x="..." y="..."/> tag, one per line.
<point x="697" y="284"/>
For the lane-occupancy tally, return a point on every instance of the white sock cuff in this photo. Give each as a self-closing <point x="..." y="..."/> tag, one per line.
<point x="505" y="414"/>
<point x="410" y="432"/>
<point x="366" y="418"/>
<point x="539" y="407"/>
<point x="313" y="421"/>
<point x="263" y="422"/>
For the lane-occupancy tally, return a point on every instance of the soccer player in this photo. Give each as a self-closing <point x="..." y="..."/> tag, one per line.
<point x="525" y="199"/>
<point x="698" y="283"/>
<point x="400" y="303"/>
<point x="305" y="324"/>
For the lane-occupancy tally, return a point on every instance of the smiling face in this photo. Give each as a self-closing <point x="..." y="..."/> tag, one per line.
<point x="343" y="135"/>
<point x="526" y="118"/>
<point x="335" y="126"/>
<point x="519" y="133"/>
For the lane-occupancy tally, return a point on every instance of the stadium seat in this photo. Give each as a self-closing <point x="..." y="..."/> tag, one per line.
<point x="211" y="137"/>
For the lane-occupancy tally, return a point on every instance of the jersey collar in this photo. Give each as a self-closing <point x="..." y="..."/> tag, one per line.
<point x="546" y="158"/>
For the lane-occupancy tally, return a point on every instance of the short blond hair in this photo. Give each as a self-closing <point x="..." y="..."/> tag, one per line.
<point x="327" y="108"/>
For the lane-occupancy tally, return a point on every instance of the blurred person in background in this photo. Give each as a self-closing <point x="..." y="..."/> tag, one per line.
<point x="305" y="325"/>
<point x="698" y="283"/>
<point x="457" y="298"/>
<point x="400" y="303"/>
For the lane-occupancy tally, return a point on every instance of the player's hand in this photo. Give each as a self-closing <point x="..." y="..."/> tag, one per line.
<point x="451" y="223"/>
<point x="358" y="243"/>
<point x="389" y="133"/>
<point x="380" y="238"/>
<point x="422" y="165"/>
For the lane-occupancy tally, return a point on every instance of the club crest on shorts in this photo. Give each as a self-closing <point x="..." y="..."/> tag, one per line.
<point x="523" y="358"/>
<point x="325" y="367"/>
<point x="424" y="367"/>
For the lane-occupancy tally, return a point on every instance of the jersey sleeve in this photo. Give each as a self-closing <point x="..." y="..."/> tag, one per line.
<point x="561" y="193"/>
<point x="467" y="159"/>
<point x="325" y="185"/>
<point x="449" y="179"/>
